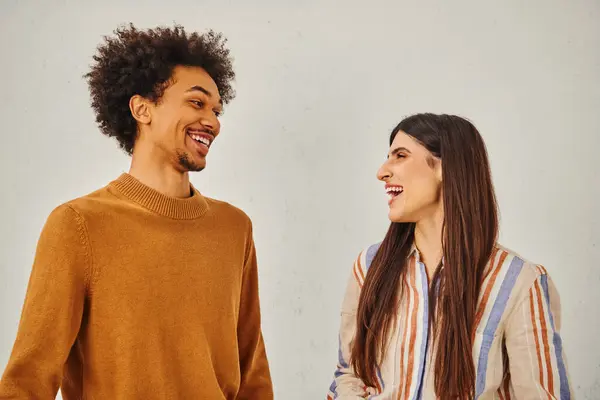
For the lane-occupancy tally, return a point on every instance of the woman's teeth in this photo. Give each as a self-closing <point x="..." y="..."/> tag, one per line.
<point x="394" y="191"/>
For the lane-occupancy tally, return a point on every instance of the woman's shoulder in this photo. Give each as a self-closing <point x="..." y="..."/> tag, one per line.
<point x="511" y="275"/>
<point x="363" y="262"/>
<point x="368" y="254"/>
<point x="530" y="268"/>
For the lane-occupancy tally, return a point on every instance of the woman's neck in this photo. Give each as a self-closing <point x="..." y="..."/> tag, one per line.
<point x="429" y="241"/>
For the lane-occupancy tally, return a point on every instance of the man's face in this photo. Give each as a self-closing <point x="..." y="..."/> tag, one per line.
<point x="185" y="120"/>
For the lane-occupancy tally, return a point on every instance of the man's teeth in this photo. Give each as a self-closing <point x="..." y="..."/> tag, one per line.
<point x="200" y="139"/>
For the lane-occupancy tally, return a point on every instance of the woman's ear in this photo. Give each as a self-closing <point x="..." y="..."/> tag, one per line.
<point x="438" y="170"/>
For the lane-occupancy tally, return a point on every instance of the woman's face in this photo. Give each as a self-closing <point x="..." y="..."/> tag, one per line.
<point x="413" y="180"/>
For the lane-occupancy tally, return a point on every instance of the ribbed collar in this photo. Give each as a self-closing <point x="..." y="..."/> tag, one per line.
<point x="188" y="208"/>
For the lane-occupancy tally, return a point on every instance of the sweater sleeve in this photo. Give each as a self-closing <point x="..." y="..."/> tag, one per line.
<point x="537" y="361"/>
<point x="52" y="310"/>
<point x="255" y="375"/>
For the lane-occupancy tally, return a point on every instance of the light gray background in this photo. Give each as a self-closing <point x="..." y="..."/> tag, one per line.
<point x="320" y="85"/>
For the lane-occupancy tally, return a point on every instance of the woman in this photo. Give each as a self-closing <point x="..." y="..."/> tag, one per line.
<point x="439" y="309"/>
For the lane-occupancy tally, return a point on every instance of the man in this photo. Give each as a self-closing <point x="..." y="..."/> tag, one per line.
<point x="145" y="289"/>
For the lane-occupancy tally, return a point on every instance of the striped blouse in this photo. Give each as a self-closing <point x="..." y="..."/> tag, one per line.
<point x="517" y="348"/>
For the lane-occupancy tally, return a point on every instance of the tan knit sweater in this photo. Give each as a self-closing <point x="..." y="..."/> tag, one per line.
<point x="136" y="295"/>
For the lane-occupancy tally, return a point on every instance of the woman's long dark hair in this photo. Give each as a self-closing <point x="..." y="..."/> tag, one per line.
<point x="469" y="234"/>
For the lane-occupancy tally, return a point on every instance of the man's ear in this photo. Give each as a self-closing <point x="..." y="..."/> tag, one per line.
<point x="140" y="109"/>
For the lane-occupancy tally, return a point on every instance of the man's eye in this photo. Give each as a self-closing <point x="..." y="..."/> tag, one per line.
<point x="197" y="103"/>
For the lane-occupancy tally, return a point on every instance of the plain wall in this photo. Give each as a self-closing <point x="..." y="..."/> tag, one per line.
<point x="320" y="85"/>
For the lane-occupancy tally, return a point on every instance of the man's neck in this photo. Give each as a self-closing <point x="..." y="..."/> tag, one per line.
<point x="160" y="175"/>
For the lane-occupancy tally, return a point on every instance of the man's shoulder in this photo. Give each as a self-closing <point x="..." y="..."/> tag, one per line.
<point x="224" y="209"/>
<point x="97" y="200"/>
<point x="71" y="215"/>
<point x="90" y="205"/>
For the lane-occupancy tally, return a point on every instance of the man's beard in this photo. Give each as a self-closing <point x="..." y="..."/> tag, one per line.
<point x="187" y="163"/>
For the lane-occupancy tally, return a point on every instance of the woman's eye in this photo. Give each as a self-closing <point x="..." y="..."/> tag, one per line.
<point x="197" y="103"/>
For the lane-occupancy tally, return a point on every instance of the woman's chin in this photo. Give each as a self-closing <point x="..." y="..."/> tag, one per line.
<point x="400" y="215"/>
<point x="396" y="216"/>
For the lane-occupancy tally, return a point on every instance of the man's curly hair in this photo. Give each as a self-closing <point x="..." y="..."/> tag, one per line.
<point x="142" y="62"/>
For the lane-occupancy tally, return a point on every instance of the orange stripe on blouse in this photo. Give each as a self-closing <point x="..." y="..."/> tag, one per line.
<point x="535" y="335"/>
<point x="545" y="339"/>
<point x="360" y="269"/>
<point x="488" y="289"/>
<point x="402" y="348"/>
<point x="541" y="269"/>
<point x="413" y="330"/>
<point x="356" y="275"/>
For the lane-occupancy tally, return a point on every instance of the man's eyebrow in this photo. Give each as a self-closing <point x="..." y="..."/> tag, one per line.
<point x="198" y="88"/>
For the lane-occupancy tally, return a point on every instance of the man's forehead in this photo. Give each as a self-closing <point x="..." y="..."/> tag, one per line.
<point x="184" y="82"/>
<point x="189" y="77"/>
